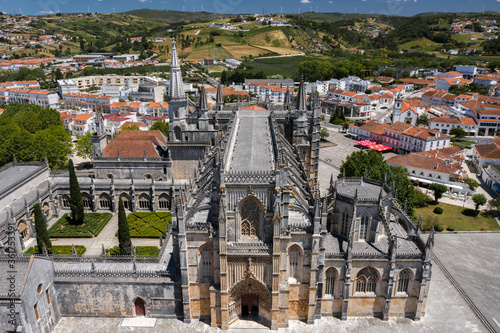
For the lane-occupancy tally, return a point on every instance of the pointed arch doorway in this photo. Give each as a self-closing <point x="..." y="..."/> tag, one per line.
<point x="139" y="307"/>
<point x="250" y="300"/>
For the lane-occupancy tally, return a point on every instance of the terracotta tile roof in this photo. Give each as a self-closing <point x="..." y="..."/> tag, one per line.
<point x="374" y="127"/>
<point x="446" y="120"/>
<point x="130" y="123"/>
<point x="135" y="104"/>
<point x="419" y="161"/>
<point x="488" y="151"/>
<point x="423" y="133"/>
<point x="448" y="152"/>
<point x="468" y="121"/>
<point x="399" y="127"/>
<point x="83" y="116"/>
<point x="134" y="144"/>
<point x="254" y="107"/>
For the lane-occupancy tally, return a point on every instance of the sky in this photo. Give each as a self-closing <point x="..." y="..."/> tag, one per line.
<point x="388" y="7"/>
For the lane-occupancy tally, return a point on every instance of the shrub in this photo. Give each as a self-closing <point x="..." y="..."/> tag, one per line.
<point x="148" y="225"/>
<point x="438" y="227"/>
<point x="92" y="226"/>
<point x="60" y="249"/>
<point x="139" y="250"/>
<point x="438" y="210"/>
<point x="423" y="199"/>
<point x="450" y="229"/>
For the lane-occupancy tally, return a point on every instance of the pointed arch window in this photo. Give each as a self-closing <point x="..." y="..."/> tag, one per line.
<point x="345" y="224"/>
<point x="250" y="218"/>
<point x="330" y="282"/>
<point x="404" y="281"/>
<point x="366" y="280"/>
<point x="294" y="261"/>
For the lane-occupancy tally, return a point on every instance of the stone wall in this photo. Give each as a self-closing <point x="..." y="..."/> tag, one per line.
<point x="115" y="297"/>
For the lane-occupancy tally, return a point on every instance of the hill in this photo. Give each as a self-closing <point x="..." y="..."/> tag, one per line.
<point x="172" y="16"/>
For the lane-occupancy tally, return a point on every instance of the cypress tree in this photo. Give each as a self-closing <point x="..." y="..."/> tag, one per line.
<point x="124" y="241"/>
<point x="75" y="196"/>
<point x="42" y="235"/>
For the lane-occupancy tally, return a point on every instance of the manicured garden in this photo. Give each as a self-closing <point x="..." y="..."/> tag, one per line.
<point x="59" y="249"/>
<point x="139" y="251"/>
<point x="455" y="218"/>
<point x="148" y="225"/>
<point x="91" y="227"/>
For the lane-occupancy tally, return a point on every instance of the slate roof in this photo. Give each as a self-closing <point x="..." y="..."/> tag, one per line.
<point x="365" y="190"/>
<point x="252" y="150"/>
<point x="20" y="269"/>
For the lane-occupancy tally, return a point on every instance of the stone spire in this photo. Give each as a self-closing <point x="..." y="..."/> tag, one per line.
<point x="218" y="97"/>
<point x="288" y="99"/>
<point x="176" y="85"/>
<point x="301" y="96"/>
<point x="203" y="99"/>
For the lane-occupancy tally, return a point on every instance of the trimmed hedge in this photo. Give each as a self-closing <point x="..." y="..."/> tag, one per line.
<point x="438" y="210"/>
<point x="60" y="249"/>
<point x="139" y="250"/>
<point x="148" y="225"/>
<point x="93" y="223"/>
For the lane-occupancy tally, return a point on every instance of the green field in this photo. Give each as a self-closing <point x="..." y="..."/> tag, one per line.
<point x="286" y="66"/>
<point x="148" y="225"/>
<point x="91" y="227"/>
<point x="456" y="218"/>
<point x="60" y="249"/>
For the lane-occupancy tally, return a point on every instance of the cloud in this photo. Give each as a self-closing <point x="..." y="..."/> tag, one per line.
<point x="332" y="1"/>
<point x="142" y="0"/>
<point x="305" y="1"/>
<point x="46" y="12"/>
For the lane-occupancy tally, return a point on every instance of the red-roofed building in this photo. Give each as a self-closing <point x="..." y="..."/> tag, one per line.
<point x="81" y="123"/>
<point x="445" y="123"/>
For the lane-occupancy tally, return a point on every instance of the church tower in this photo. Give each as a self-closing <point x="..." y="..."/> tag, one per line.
<point x="99" y="139"/>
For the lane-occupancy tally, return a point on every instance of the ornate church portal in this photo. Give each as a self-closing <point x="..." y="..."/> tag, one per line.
<point x="250" y="299"/>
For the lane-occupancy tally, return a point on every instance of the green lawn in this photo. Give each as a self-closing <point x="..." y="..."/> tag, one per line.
<point x="456" y="218"/>
<point x="139" y="251"/>
<point x="462" y="144"/>
<point x="91" y="227"/>
<point x="148" y="225"/>
<point x="59" y="249"/>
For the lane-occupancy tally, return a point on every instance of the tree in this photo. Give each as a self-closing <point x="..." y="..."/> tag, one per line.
<point x="376" y="168"/>
<point x="131" y="128"/>
<point x="84" y="145"/>
<point x="423" y="120"/>
<point x="458" y="132"/>
<point x="438" y="189"/>
<point x="473" y="184"/>
<point x="42" y="235"/>
<point x="479" y="199"/>
<point x="75" y="196"/>
<point x="124" y="241"/>
<point x="323" y="134"/>
<point x="494" y="204"/>
<point x="160" y="125"/>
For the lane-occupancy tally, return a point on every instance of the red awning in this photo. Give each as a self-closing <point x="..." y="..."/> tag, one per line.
<point x="380" y="147"/>
<point x="366" y="143"/>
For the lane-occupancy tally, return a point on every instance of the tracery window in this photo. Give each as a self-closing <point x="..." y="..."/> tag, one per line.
<point x="294" y="262"/>
<point x="104" y="201"/>
<point x="206" y="264"/>
<point x="250" y="218"/>
<point x="404" y="281"/>
<point x="330" y="282"/>
<point x="366" y="280"/>
<point x="144" y="202"/>
<point x="345" y="223"/>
